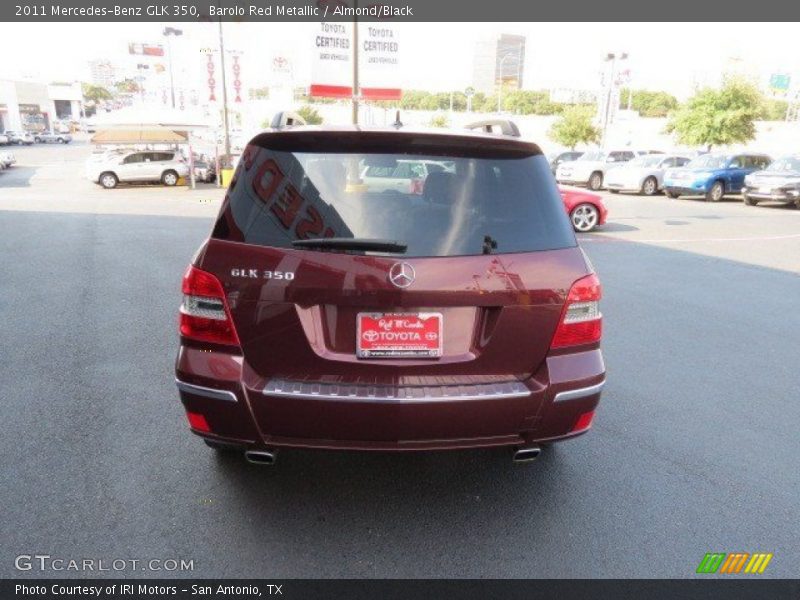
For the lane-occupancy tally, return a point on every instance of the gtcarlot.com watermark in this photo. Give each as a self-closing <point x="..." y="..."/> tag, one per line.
<point x="46" y="563"/>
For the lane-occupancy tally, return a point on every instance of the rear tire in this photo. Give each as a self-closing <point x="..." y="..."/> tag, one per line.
<point x="671" y="194"/>
<point x="716" y="192"/>
<point x="584" y="217"/>
<point x="595" y="181"/>
<point x="749" y="200"/>
<point x="169" y="178"/>
<point x="108" y="180"/>
<point x="614" y="191"/>
<point x="650" y="186"/>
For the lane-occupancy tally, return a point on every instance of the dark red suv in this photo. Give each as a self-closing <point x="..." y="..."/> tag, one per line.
<point x="390" y="290"/>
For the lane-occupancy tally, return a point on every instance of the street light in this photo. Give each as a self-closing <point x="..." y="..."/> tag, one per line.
<point x="612" y="58"/>
<point x="500" y="69"/>
<point x="168" y="33"/>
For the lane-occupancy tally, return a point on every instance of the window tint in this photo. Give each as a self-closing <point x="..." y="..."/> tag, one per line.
<point x="279" y="196"/>
<point x="681" y="161"/>
<point x="134" y="158"/>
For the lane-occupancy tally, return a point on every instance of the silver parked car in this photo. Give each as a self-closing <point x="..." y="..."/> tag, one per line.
<point x="19" y="137"/>
<point x="49" y="137"/>
<point x="644" y="174"/>
<point x="139" y="166"/>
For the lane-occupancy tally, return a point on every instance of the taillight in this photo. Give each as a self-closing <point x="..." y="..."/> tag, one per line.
<point x="581" y="321"/>
<point x="204" y="313"/>
<point x="417" y="186"/>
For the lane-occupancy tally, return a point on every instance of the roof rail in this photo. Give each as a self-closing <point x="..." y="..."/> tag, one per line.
<point x="506" y="126"/>
<point x="286" y="119"/>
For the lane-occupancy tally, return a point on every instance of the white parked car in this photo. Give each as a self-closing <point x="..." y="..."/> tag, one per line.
<point x="6" y="158"/>
<point x="590" y="169"/>
<point x="644" y="174"/>
<point x="139" y="166"/>
<point x="404" y="176"/>
<point x="4" y="139"/>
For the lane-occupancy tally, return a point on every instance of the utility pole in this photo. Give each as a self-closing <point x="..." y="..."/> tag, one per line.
<point x="610" y="57"/>
<point x="224" y="94"/>
<point x="168" y="33"/>
<point x="355" y="64"/>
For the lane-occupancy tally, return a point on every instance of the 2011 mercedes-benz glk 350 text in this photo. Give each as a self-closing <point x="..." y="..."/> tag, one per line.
<point x="348" y="298"/>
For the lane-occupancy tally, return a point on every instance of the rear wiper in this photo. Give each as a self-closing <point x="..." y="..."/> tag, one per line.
<point x="363" y="244"/>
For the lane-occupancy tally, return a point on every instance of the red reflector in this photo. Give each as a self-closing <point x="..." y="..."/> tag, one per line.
<point x="584" y="422"/>
<point x="198" y="422"/>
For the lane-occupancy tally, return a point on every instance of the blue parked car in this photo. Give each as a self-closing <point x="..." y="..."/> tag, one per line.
<point x="713" y="175"/>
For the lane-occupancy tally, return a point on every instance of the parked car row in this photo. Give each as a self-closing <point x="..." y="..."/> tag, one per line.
<point x="27" y="138"/>
<point x="712" y="176"/>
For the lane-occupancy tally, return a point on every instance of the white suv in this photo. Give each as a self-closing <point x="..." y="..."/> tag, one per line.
<point x="139" y="166"/>
<point x="590" y="169"/>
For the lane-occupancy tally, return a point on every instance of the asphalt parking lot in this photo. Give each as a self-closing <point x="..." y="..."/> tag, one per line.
<point x="695" y="448"/>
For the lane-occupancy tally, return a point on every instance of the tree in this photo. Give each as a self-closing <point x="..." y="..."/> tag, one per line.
<point x="95" y="93"/>
<point x="127" y="86"/>
<point x="718" y="117"/>
<point x="647" y="103"/>
<point x="773" y="109"/>
<point x="310" y="114"/>
<point x="439" y="121"/>
<point x="575" y="127"/>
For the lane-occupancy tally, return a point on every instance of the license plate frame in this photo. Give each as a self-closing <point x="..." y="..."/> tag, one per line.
<point x="423" y="323"/>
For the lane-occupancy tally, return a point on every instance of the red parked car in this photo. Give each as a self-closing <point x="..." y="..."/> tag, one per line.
<point x="321" y="314"/>
<point x="585" y="209"/>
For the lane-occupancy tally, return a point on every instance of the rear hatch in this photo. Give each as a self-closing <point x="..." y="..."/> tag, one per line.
<point x="339" y="289"/>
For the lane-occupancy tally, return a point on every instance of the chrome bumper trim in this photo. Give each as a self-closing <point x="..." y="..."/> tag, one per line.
<point x="199" y="390"/>
<point x="579" y="393"/>
<point x="303" y="390"/>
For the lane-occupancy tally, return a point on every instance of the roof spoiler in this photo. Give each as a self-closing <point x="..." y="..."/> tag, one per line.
<point x="286" y="119"/>
<point x="506" y="127"/>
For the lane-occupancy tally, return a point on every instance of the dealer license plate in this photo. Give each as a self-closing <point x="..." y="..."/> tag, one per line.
<point x="399" y="335"/>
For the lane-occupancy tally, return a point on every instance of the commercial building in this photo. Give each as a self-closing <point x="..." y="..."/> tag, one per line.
<point x="35" y="106"/>
<point x="499" y="60"/>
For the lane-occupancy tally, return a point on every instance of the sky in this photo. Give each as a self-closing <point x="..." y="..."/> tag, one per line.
<point x="435" y="56"/>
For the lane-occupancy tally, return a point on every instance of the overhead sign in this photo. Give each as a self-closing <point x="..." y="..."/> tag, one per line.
<point x="146" y="49"/>
<point x="779" y="83"/>
<point x="331" y="66"/>
<point x="379" y="60"/>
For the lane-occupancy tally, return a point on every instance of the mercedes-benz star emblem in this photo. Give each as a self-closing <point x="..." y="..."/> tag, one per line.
<point x="402" y="274"/>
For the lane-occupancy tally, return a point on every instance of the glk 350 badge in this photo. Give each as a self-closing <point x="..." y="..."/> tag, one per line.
<point x="261" y="274"/>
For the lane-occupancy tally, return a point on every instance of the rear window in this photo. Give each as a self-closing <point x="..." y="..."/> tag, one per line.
<point x="281" y="196"/>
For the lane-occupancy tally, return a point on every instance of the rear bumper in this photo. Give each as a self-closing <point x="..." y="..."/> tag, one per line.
<point x="254" y="413"/>
<point x="688" y="189"/>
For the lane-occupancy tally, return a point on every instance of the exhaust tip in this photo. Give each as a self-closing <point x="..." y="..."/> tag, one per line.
<point x="261" y="457"/>
<point x="525" y="455"/>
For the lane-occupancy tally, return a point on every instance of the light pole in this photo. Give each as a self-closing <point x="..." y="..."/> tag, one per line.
<point x="355" y="64"/>
<point x="500" y="68"/>
<point x="224" y="94"/>
<point x="168" y="33"/>
<point x="612" y="58"/>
